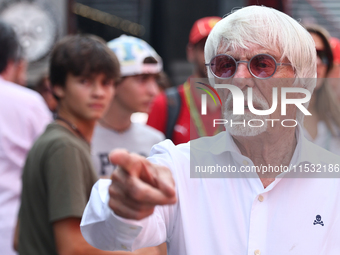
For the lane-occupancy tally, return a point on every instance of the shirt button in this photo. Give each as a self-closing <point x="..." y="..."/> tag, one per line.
<point x="257" y="252"/>
<point x="245" y="162"/>
<point x="123" y="247"/>
<point x="261" y="198"/>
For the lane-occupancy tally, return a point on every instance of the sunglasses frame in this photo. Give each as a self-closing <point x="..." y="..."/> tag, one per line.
<point x="248" y="66"/>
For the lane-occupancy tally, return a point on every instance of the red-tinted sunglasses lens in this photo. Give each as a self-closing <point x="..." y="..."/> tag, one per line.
<point x="223" y="66"/>
<point x="262" y="66"/>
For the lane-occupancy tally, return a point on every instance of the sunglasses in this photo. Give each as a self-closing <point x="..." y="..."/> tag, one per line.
<point x="323" y="56"/>
<point x="261" y="66"/>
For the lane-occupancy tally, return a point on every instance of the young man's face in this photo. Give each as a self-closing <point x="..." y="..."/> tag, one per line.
<point x="136" y="93"/>
<point x="86" y="98"/>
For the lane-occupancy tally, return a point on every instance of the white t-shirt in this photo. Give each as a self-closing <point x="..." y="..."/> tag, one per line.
<point x="228" y="215"/>
<point x="23" y="117"/>
<point x="139" y="138"/>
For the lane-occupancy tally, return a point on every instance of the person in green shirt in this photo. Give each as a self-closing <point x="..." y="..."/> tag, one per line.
<point x="58" y="174"/>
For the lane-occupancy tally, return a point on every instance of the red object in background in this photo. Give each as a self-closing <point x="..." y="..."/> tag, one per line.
<point x="158" y="117"/>
<point x="335" y="44"/>
<point x="202" y="28"/>
<point x="186" y="128"/>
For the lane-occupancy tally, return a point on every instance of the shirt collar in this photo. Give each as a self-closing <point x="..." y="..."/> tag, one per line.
<point x="225" y="143"/>
<point x="304" y="151"/>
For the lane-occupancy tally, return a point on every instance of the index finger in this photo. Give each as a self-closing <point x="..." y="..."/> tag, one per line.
<point x="144" y="193"/>
<point x="131" y="163"/>
<point x="154" y="176"/>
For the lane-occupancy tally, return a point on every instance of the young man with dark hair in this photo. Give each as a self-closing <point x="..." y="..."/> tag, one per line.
<point x="58" y="175"/>
<point x="23" y="117"/>
<point x="140" y="66"/>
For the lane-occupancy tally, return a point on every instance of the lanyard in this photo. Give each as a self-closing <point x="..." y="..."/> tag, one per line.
<point x="194" y="112"/>
<point x="73" y="127"/>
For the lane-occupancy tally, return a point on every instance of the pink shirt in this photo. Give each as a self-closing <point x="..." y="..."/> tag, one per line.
<point x="23" y="117"/>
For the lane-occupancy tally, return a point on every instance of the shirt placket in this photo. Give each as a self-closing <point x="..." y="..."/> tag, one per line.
<point x="259" y="215"/>
<point x="258" y="225"/>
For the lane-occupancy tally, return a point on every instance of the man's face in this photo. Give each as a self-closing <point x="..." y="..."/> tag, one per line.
<point x="136" y="93"/>
<point x="262" y="90"/>
<point x="86" y="98"/>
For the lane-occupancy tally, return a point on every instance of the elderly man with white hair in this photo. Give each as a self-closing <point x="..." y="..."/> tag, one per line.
<point x="255" y="49"/>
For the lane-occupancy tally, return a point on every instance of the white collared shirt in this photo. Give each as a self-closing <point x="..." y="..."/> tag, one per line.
<point x="23" y="117"/>
<point x="228" y="215"/>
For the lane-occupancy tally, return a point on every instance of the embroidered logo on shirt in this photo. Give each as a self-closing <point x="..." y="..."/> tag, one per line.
<point x="318" y="220"/>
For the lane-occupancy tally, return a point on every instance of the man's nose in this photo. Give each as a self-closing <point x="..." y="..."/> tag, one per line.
<point x="243" y="78"/>
<point x="242" y="70"/>
<point x="98" y="89"/>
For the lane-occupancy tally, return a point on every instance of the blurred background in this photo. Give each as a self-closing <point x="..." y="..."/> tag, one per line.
<point x="164" y="24"/>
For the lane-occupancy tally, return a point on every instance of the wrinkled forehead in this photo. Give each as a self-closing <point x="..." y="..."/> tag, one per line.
<point x="247" y="51"/>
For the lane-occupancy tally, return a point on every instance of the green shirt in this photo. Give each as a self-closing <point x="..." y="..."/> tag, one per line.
<point x="57" y="181"/>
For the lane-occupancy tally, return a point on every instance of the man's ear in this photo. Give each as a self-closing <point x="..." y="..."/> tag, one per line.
<point x="59" y="91"/>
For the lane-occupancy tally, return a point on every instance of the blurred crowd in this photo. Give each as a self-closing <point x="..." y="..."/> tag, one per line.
<point x="55" y="141"/>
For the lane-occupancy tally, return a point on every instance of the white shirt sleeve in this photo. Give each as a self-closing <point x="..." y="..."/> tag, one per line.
<point x="106" y="231"/>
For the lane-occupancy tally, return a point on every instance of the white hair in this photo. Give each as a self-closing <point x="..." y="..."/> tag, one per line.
<point x="270" y="29"/>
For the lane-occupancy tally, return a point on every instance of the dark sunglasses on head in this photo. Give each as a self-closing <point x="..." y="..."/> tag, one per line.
<point x="261" y="66"/>
<point x="323" y="56"/>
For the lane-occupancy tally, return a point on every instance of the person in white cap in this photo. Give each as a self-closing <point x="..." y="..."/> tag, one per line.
<point x="140" y="67"/>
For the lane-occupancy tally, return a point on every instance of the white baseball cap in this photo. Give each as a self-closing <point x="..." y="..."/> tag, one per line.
<point x="131" y="53"/>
